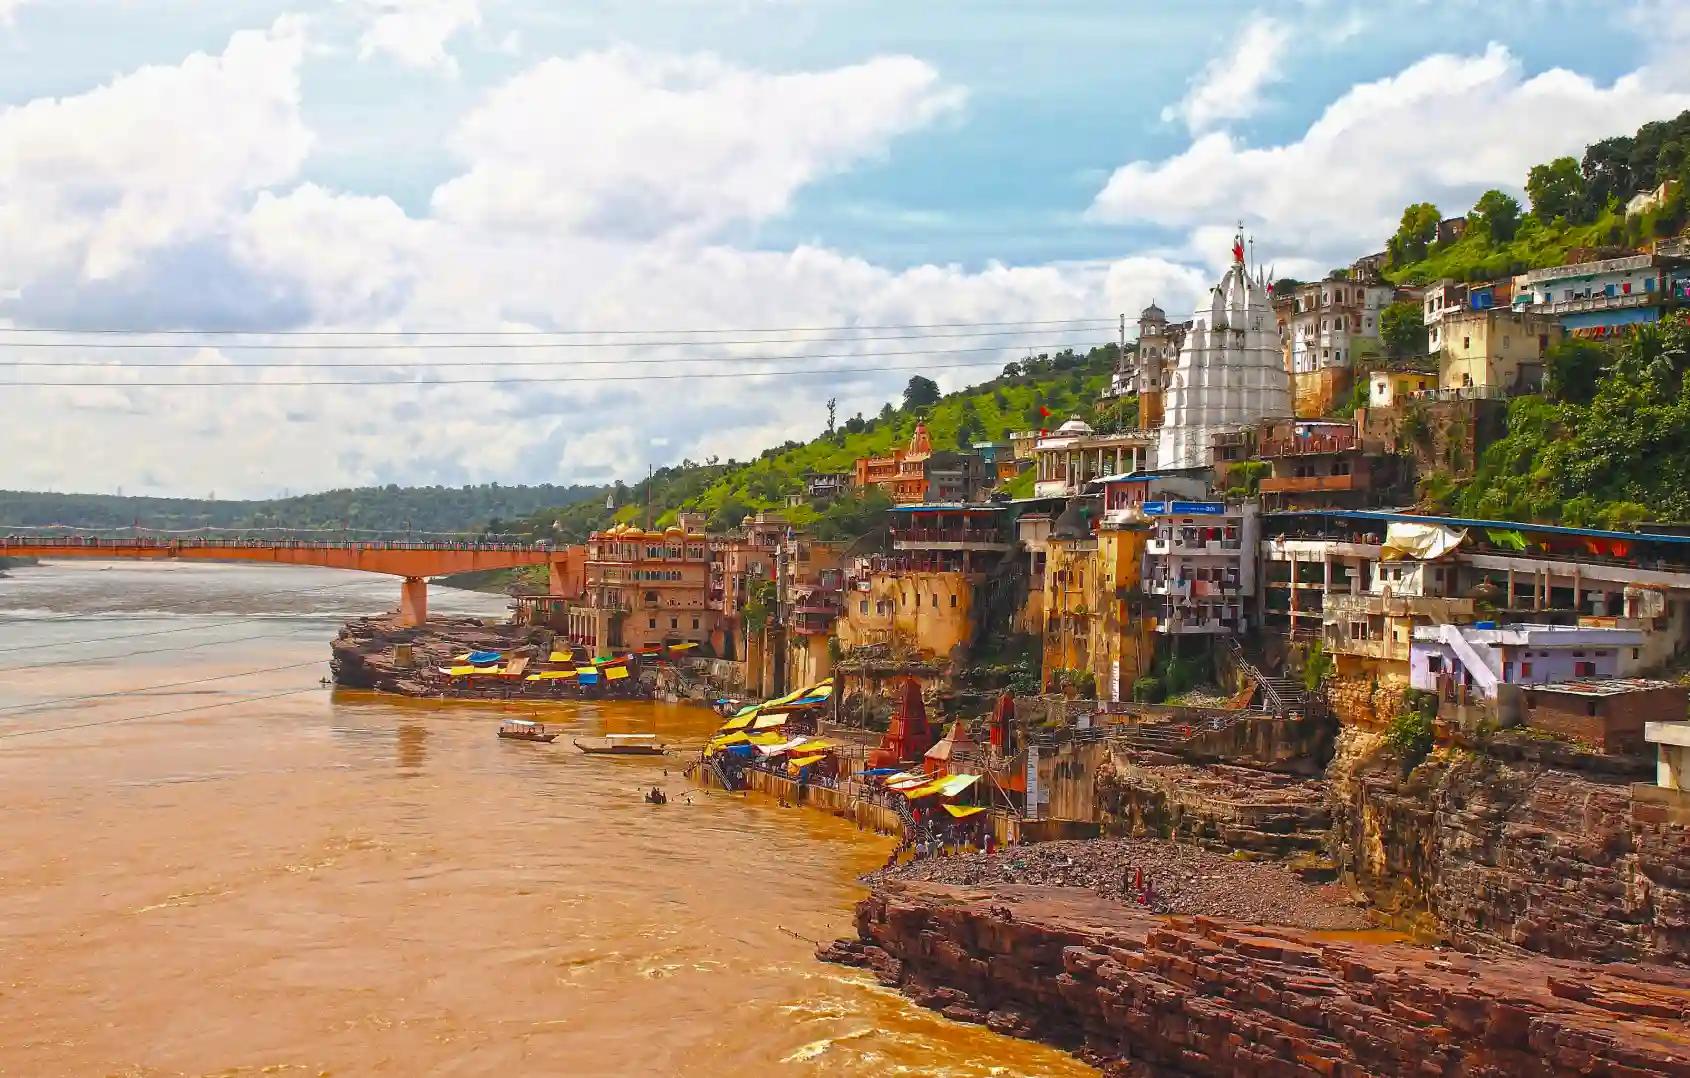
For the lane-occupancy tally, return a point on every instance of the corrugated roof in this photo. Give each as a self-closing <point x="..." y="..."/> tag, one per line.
<point x="1474" y="522"/>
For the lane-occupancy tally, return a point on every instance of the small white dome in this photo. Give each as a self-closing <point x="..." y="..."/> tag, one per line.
<point x="1074" y="426"/>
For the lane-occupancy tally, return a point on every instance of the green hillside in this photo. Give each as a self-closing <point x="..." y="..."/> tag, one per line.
<point x="1066" y="383"/>
<point x="389" y="510"/>
<point x="1574" y="205"/>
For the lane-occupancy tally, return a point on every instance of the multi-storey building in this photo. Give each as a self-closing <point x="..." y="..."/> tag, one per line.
<point x="1494" y="352"/>
<point x="815" y="601"/>
<point x="1095" y="614"/>
<point x="921" y="599"/>
<point x="1318" y="463"/>
<point x="917" y="474"/>
<point x="1074" y="455"/>
<point x="1595" y="298"/>
<point x="644" y="589"/>
<point x="826" y="486"/>
<point x="1200" y="566"/>
<point x="1143" y="368"/>
<point x="1440" y="301"/>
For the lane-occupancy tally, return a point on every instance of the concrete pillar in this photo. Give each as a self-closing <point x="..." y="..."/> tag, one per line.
<point x="1509" y="602"/>
<point x="1576" y="609"/>
<point x="413" y="601"/>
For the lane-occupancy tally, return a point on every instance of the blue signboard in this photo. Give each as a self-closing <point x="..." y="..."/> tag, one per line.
<point x="1184" y="508"/>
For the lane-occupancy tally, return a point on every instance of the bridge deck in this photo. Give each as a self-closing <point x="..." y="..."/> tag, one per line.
<point x="412" y="560"/>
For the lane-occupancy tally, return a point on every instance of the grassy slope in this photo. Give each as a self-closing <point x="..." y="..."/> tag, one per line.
<point x="754" y="484"/>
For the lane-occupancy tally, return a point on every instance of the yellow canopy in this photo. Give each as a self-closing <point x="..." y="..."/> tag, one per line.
<point x="616" y="673"/>
<point x="768" y="722"/>
<point x="952" y="785"/>
<point x="804" y="761"/>
<point x="560" y="657"/>
<point x="550" y="675"/>
<point x="962" y="812"/>
<point x="764" y="739"/>
<point x="739" y="723"/>
<point x="462" y="671"/>
<point x="926" y="789"/>
<point x="729" y="739"/>
<point x="816" y="745"/>
<point x="682" y="647"/>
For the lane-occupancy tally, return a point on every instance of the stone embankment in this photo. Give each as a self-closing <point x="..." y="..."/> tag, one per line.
<point x="1141" y="994"/>
<point x="1220" y="806"/>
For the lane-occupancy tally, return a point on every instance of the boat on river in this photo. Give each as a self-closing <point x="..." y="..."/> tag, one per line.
<point x="524" y="730"/>
<point x="622" y="745"/>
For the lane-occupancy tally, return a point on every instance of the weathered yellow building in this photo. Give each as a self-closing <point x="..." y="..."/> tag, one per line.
<point x="924" y="613"/>
<point x="1125" y="647"/>
<point x="1495" y="352"/>
<point x="1092" y="620"/>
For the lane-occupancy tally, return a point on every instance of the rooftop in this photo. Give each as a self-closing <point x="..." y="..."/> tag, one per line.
<point x="1613" y="686"/>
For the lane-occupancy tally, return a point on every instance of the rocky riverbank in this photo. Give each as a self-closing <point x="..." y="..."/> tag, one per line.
<point x="1178" y="879"/>
<point x="1142" y="994"/>
<point x="379" y="653"/>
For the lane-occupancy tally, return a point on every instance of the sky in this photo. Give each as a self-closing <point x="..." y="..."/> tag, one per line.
<point x="623" y="174"/>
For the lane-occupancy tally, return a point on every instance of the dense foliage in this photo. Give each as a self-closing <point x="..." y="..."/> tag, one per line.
<point x="391" y="510"/>
<point x="1574" y="204"/>
<point x="1610" y="448"/>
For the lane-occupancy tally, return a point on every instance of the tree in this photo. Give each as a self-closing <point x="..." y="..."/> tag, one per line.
<point x="832" y="414"/>
<point x="1402" y="329"/>
<point x="1496" y="215"/>
<point x="886" y="412"/>
<point x="1571" y="368"/>
<point x="920" y="394"/>
<point x="1556" y="190"/>
<point x="1414" y="235"/>
<point x="1011" y="370"/>
<point x="1284" y="287"/>
<point x="729" y="515"/>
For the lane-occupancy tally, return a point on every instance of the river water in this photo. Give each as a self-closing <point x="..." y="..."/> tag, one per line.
<point x="201" y="875"/>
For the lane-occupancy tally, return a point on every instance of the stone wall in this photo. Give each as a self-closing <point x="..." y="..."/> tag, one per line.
<point x="1542" y="857"/>
<point x="1367" y="699"/>
<point x="1224" y="808"/>
<point x="1141" y="995"/>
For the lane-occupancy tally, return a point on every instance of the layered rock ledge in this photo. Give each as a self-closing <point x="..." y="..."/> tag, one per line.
<point x="1141" y="994"/>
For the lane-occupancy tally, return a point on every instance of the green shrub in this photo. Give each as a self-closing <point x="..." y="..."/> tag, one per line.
<point x="1410" y="733"/>
<point x="1148" y="689"/>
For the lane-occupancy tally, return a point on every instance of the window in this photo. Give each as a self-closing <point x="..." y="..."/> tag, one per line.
<point x="695" y="623"/>
<point x="1435" y="664"/>
<point x="862" y="607"/>
<point x="953" y="602"/>
<point x="1584" y="669"/>
<point x="1525" y="670"/>
<point x="1466" y="342"/>
<point x="674" y="623"/>
<point x="651" y="623"/>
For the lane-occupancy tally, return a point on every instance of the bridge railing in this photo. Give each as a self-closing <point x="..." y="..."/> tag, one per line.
<point x="101" y="543"/>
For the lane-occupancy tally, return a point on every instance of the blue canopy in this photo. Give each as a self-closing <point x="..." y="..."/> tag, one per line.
<point x="881" y="771"/>
<point x="481" y="658"/>
<point x="739" y="750"/>
<point x="588" y="677"/>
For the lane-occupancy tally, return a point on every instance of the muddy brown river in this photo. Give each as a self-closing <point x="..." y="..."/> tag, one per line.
<point x="202" y="875"/>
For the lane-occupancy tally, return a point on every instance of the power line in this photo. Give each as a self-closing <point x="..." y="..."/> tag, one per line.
<point x="53" y="705"/>
<point x="397" y="384"/>
<point x="317" y="346"/>
<point x="153" y="714"/>
<point x="139" y="332"/>
<point x="423" y="364"/>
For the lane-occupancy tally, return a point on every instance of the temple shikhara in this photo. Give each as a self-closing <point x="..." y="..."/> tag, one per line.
<point x="1230" y="374"/>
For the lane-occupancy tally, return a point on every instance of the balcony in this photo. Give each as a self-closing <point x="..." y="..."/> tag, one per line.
<point x="1604" y="302"/>
<point x="1303" y="484"/>
<point x="950" y="539"/>
<point x="1341" y="441"/>
<point x="1178" y="545"/>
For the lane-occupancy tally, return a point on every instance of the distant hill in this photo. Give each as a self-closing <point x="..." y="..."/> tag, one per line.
<point x="371" y="511"/>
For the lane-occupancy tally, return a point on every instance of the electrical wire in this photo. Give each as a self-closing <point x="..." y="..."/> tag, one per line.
<point x="54" y="705"/>
<point x="428" y="363"/>
<point x="139" y="332"/>
<point x="153" y="714"/>
<point x="393" y="384"/>
<point x="459" y="346"/>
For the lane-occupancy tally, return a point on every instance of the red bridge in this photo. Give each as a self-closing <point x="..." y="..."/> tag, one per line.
<point x="414" y="562"/>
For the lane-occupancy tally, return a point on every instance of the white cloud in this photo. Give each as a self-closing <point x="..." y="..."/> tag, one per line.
<point x="1444" y="129"/>
<point x="416" y="32"/>
<point x="1231" y="87"/>
<point x="630" y="143"/>
<point x="9" y="10"/>
<point x="88" y="183"/>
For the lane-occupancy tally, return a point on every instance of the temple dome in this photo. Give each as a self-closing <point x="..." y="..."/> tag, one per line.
<point x="1075" y="426"/>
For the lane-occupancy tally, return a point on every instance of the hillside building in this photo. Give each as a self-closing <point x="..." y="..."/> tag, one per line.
<point x="1495" y="353"/>
<point x="644" y="589"/>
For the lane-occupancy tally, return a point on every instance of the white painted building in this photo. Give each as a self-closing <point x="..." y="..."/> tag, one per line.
<point x="1231" y="370"/>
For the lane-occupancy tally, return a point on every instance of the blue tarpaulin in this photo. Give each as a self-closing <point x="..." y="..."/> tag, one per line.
<point x="588" y="677"/>
<point x="481" y="658"/>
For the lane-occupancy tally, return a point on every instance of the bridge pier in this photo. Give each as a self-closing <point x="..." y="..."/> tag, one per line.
<point x="413" y="601"/>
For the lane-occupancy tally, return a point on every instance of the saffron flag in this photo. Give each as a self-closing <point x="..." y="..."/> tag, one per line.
<point x="1044" y="413"/>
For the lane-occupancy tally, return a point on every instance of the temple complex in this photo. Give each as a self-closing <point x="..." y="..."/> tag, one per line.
<point x="1230" y="373"/>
